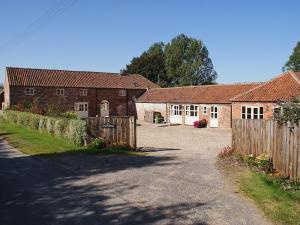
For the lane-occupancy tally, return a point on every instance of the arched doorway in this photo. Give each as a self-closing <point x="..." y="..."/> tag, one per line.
<point x="104" y="108"/>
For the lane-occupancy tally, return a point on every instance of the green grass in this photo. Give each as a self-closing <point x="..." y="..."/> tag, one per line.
<point x="35" y="143"/>
<point x="281" y="206"/>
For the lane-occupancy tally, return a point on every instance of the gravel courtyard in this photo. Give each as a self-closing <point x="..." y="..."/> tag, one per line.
<point x="176" y="183"/>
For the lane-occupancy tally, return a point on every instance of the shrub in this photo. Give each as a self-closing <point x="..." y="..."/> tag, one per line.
<point x="70" y="115"/>
<point x="72" y="129"/>
<point x="225" y="152"/>
<point x="97" y="143"/>
<point x="202" y="123"/>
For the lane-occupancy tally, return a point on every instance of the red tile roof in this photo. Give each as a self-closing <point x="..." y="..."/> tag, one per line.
<point x="282" y="87"/>
<point x="84" y="79"/>
<point x="221" y="93"/>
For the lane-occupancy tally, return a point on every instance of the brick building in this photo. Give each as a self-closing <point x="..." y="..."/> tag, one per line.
<point x="261" y="101"/>
<point x="1" y="97"/>
<point x="219" y="104"/>
<point x="88" y="93"/>
<point x="185" y="105"/>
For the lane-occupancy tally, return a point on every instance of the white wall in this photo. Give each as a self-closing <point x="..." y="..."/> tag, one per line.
<point x="157" y="107"/>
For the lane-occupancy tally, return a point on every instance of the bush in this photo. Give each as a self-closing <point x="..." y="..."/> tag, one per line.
<point x="97" y="143"/>
<point x="200" y="124"/>
<point x="72" y="129"/>
<point x="70" y="115"/>
<point x="226" y="152"/>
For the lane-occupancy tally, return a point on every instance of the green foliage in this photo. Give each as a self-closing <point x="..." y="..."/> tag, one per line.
<point x="150" y="64"/>
<point x="72" y="129"/>
<point x="183" y="61"/>
<point x="294" y="60"/>
<point x="280" y="205"/>
<point x="70" y="115"/>
<point x="97" y="143"/>
<point x="187" y="62"/>
<point x="288" y="112"/>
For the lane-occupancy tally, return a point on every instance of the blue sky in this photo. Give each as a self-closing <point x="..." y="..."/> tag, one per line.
<point x="247" y="40"/>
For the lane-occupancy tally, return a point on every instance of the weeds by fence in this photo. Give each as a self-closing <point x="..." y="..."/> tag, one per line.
<point x="279" y="142"/>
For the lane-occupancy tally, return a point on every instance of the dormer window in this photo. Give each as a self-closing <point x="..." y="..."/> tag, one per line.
<point x="29" y="91"/>
<point x="60" y="92"/>
<point x="122" y="92"/>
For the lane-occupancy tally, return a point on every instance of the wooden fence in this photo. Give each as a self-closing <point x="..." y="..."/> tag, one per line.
<point x="115" y="131"/>
<point x="279" y="142"/>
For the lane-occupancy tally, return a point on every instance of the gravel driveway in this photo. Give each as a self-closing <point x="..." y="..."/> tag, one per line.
<point x="176" y="183"/>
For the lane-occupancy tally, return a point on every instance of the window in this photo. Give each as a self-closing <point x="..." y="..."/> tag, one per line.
<point x="191" y="110"/>
<point x="60" y="91"/>
<point x="83" y="92"/>
<point x="214" y="112"/>
<point x="176" y="110"/>
<point x="29" y="91"/>
<point x="250" y="112"/>
<point x="81" y="107"/>
<point x="122" y="92"/>
<point x="204" y="110"/>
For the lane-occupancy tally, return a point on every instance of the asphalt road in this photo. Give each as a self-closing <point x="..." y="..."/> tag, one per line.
<point x="176" y="183"/>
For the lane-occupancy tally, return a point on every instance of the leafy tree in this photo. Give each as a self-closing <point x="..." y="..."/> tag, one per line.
<point x="183" y="61"/>
<point x="187" y="62"/>
<point x="294" y="60"/>
<point x="288" y="112"/>
<point x="150" y="64"/>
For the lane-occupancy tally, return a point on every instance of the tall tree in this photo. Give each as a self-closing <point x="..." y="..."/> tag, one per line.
<point x="294" y="60"/>
<point x="150" y="64"/>
<point x="187" y="62"/>
<point x="183" y="61"/>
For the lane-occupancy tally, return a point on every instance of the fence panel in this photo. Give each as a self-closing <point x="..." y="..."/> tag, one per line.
<point x="115" y="130"/>
<point x="279" y="142"/>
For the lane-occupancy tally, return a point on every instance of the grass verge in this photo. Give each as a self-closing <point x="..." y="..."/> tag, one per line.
<point x="281" y="206"/>
<point x="34" y="143"/>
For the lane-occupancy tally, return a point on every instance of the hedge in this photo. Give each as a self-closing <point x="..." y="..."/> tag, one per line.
<point x="71" y="129"/>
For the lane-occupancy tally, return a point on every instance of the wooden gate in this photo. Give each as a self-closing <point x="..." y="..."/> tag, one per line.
<point x="115" y="130"/>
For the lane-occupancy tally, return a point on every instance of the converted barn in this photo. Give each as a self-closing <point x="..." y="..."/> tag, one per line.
<point x="87" y="93"/>
<point x="185" y="105"/>
<point x="261" y="101"/>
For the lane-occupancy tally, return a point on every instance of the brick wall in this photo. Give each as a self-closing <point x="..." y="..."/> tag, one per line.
<point x="118" y="105"/>
<point x="268" y="108"/>
<point x="224" y="114"/>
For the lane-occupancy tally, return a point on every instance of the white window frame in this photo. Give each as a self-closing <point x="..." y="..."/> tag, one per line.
<point x="81" y="106"/>
<point x="176" y="110"/>
<point x="122" y="92"/>
<point x="191" y="109"/>
<point x="29" y="91"/>
<point x="214" y="113"/>
<point x="83" y="92"/>
<point x="252" y="114"/>
<point x="60" y="92"/>
<point x="204" y="110"/>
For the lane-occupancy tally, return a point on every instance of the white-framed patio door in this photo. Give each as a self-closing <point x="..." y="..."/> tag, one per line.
<point x="176" y="114"/>
<point x="214" y="121"/>
<point x="191" y="114"/>
<point x="82" y="109"/>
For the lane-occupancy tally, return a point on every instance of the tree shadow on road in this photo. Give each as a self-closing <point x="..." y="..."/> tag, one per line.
<point x="68" y="189"/>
